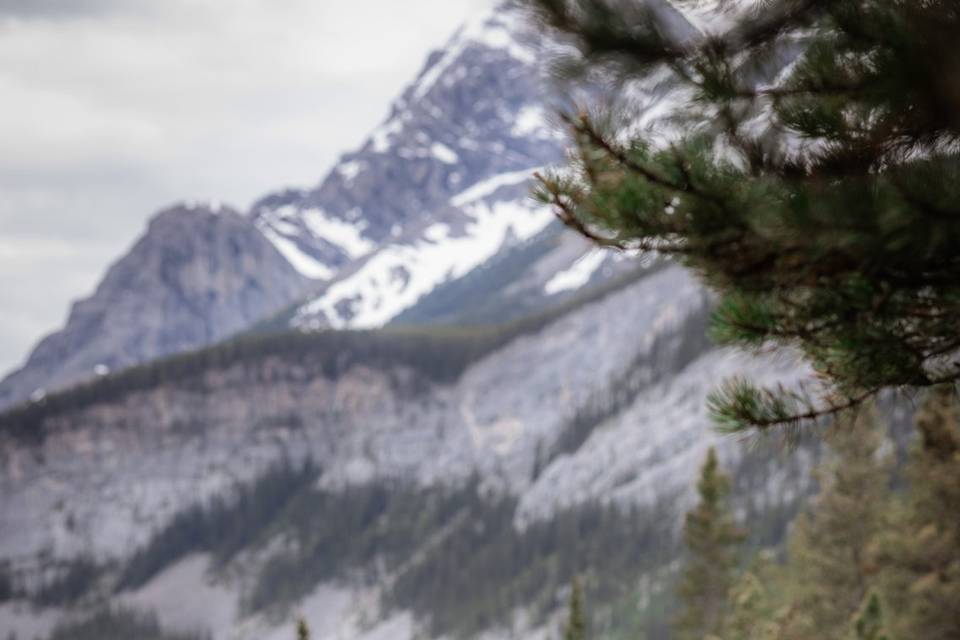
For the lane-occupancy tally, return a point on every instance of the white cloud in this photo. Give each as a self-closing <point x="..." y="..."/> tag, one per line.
<point x="114" y="108"/>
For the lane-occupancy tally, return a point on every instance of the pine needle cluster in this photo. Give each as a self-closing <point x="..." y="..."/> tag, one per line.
<point x="811" y="177"/>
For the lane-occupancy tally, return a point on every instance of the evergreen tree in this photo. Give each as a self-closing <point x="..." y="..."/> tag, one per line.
<point x="831" y="547"/>
<point x="754" y="611"/>
<point x="303" y="631"/>
<point x="576" y="627"/>
<point x="711" y="537"/>
<point x="922" y="555"/>
<point x="811" y="177"/>
<point x="869" y="623"/>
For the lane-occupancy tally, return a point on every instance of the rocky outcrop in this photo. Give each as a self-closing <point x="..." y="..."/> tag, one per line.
<point x="199" y="274"/>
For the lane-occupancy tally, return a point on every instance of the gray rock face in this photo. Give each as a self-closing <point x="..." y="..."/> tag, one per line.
<point x="196" y="276"/>
<point x="438" y="189"/>
<point x="478" y="109"/>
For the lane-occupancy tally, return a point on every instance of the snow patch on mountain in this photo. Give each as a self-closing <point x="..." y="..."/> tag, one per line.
<point x="344" y="235"/>
<point x="439" y="187"/>
<point x="350" y="169"/>
<point x="303" y="263"/>
<point x="382" y="136"/>
<point x="532" y="121"/>
<point x="578" y="274"/>
<point x="443" y="153"/>
<point x="489" y="186"/>
<point x="397" y="276"/>
<point x="307" y="235"/>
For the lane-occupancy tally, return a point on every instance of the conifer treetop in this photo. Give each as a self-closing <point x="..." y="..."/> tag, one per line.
<point x="303" y="631"/>
<point x="711" y="537"/>
<point x="576" y="626"/>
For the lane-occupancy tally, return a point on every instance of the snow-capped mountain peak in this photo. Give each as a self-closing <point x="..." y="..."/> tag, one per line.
<point x="436" y="190"/>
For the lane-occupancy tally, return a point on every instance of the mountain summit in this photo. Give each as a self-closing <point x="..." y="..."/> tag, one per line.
<point x="440" y="188"/>
<point x="199" y="274"/>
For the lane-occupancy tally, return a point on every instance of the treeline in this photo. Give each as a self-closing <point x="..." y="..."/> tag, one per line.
<point x="453" y="556"/>
<point x="866" y="561"/>
<point x="77" y="579"/>
<point x="478" y="576"/>
<point x="222" y="527"/>
<point x="8" y="587"/>
<point x="119" y="623"/>
<point x="61" y="584"/>
<point x="359" y="532"/>
<point x="440" y="353"/>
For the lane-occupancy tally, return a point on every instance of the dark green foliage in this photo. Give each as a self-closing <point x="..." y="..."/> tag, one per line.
<point x="221" y="527"/>
<point x="340" y="534"/>
<point x="821" y="203"/>
<point x="483" y="569"/>
<point x="303" y="631"/>
<point x="72" y="584"/>
<point x="437" y="353"/>
<point x="869" y="623"/>
<point x="119" y="624"/>
<point x="830" y="545"/>
<point x="921" y="552"/>
<point x="454" y="555"/>
<point x="7" y="588"/>
<point x="576" y="627"/>
<point x="867" y="561"/>
<point x="711" y="537"/>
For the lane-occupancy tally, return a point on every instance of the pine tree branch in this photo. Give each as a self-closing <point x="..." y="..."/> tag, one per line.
<point x="743" y="408"/>
<point x="568" y="216"/>
<point x="736" y="415"/>
<point x="583" y="127"/>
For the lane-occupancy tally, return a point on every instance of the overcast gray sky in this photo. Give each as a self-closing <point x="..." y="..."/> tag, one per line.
<point x="114" y="108"/>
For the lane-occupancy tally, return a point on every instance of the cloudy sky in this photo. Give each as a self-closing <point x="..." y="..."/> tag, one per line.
<point x="114" y="108"/>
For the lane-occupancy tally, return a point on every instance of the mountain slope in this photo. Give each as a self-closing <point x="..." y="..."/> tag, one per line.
<point x="437" y="190"/>
<point x="198" y="275"/>
<point x="625" y="374"/>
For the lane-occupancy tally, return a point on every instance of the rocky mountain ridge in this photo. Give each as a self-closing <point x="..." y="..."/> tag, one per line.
<point x="198" y="275"/>
<point x="437" y="190"/>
